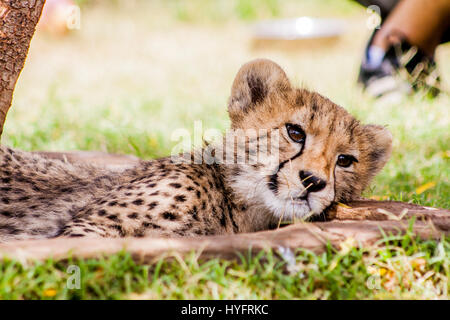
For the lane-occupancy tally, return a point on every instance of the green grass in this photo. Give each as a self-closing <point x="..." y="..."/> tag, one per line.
<point x="138" y="70"/>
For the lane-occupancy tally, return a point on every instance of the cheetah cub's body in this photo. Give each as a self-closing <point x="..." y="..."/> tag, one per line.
<point x="323" y="155"/>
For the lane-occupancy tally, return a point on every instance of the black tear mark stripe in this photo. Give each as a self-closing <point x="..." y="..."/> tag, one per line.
<point x="273" y="179"/>
<point x="231" y="216"/>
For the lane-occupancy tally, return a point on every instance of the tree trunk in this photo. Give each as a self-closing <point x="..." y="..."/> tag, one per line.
<point x="18" y="19"/>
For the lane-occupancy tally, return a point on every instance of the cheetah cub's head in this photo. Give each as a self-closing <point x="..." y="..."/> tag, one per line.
<point x="324" y="154"/>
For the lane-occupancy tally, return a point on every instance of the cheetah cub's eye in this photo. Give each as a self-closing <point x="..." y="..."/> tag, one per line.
<point x="296" y="133"/>
<point x="345" y="160"/>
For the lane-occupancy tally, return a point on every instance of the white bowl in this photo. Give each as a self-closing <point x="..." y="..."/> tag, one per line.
<point x="299" y="28"/>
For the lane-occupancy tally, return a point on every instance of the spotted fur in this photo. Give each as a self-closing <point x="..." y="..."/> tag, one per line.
<point x="44" y="198"/>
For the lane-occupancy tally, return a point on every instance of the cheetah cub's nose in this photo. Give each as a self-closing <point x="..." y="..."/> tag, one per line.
<point x="310" y="182"/>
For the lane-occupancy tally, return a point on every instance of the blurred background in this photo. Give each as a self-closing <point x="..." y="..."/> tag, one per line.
<point x="120" y="75"/>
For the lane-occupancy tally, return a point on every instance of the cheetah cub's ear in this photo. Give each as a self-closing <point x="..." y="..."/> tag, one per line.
<point x="254" y="82"/>
<point x="379" y="147"/>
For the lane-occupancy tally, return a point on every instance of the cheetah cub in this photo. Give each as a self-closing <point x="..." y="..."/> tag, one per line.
<point x="319" y="155"/>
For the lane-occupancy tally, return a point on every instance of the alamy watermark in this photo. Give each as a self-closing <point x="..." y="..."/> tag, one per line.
<point x="373" y="282"/>
<point x="235" y="146"/>
<point x="74" y="280"/>
<point x="374" y="19"/>
<point x="73" y="20"/>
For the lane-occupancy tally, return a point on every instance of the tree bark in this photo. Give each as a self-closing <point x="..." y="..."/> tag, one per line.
<point x="18" y="20"/>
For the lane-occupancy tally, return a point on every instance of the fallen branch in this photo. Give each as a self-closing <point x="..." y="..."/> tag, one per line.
<point x="431" y="224"/>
